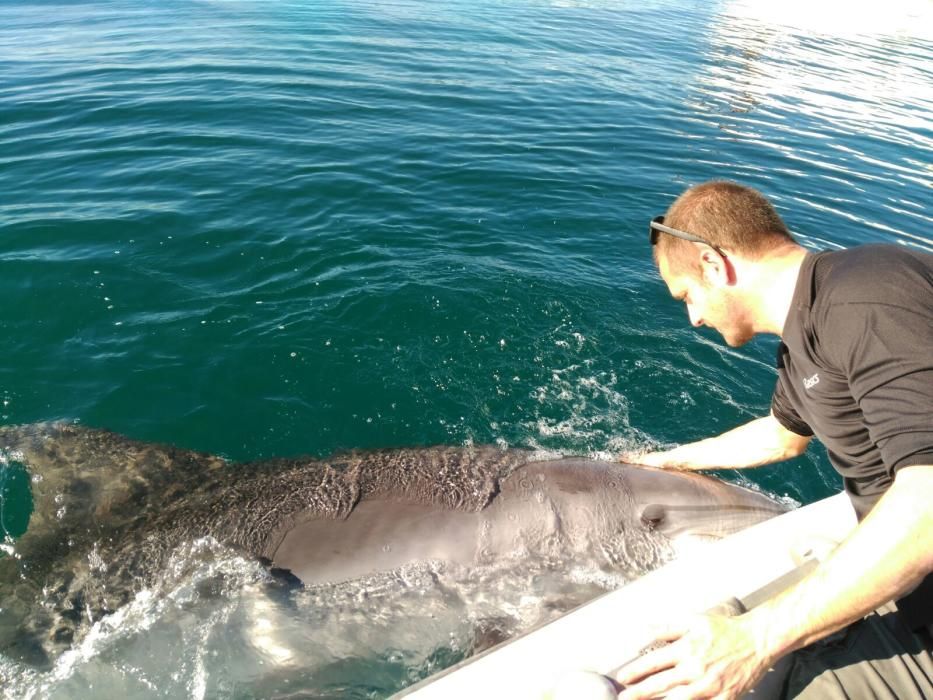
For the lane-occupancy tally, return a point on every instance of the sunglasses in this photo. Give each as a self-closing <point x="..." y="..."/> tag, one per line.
<point x="657" y="227"/>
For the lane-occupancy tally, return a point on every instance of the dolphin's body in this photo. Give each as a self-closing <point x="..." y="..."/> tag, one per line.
<point x="108" y="512"/>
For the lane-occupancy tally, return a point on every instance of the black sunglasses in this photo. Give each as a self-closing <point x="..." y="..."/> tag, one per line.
<point x="657" y="227"/>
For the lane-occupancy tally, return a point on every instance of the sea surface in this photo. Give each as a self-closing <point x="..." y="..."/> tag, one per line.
<point x="280" y="228"/>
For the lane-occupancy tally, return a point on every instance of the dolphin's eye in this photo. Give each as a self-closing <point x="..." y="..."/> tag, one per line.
<point x="652" y="516"/>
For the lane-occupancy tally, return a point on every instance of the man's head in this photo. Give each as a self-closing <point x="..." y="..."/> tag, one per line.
<point x="738" y="228"/>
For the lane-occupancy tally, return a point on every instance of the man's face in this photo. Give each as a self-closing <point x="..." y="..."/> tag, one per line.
<point x="710" y="302"/>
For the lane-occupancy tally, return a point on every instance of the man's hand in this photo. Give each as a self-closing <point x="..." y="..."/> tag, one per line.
<point x="648" y="459"/>
<point x="761" y="441"/>
<point x="709" y="656"/>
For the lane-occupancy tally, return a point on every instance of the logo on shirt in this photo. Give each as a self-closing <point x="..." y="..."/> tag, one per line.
<point x="811" y="382"/>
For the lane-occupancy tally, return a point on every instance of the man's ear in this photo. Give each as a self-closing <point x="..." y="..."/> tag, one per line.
<point x="717" y="270"/>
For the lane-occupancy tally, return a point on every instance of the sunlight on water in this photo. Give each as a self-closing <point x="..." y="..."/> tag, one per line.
<point x="904" y="18"/>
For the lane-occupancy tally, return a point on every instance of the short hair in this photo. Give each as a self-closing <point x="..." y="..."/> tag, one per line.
<point x="729" y="215"/>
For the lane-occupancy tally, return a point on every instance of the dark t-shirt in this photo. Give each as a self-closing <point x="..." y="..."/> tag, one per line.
<point x="855" y="367"/>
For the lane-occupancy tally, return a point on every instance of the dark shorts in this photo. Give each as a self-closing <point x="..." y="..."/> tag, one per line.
<point x="876" y="657"/>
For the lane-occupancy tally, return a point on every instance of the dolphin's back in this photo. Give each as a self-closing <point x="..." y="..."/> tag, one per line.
<point x="94" y="486"/>
<point x="108" y="507"/>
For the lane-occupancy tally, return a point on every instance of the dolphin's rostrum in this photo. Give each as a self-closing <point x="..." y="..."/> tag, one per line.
<point x="108" y="512"/>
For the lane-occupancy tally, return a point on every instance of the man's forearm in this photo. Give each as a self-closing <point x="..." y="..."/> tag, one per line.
<point x="761" y="441"/>
<point x="887" y="555"/>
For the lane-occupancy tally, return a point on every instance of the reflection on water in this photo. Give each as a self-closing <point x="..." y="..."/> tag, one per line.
<point x="896" y="19"/>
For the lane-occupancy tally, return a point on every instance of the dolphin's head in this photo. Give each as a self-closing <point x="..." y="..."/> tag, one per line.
<point x="677" y="503"/>
<point x="603" y="500"/>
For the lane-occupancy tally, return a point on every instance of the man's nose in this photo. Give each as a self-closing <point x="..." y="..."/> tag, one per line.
<point x="695" y="318"/>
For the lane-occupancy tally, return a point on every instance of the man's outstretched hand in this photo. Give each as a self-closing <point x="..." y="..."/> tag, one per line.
<point x="648" y="459"/>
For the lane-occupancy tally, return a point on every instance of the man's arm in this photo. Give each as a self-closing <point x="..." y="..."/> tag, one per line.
<point x="887" y="555"/>
<point x="761" y="441"/>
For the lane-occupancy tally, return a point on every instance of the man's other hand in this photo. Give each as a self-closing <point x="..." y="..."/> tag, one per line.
<point x="708" y="656"/>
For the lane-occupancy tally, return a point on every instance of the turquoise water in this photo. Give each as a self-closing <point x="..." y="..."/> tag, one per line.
<point x="263" y="229"/>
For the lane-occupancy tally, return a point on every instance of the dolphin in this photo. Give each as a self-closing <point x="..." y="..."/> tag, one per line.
<point x="109" y="511"/>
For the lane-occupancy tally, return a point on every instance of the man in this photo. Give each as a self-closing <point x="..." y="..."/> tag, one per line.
<point x="855" y="368"/>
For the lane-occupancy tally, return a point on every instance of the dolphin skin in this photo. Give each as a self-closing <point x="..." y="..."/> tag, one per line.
<point x="108" y="512"/>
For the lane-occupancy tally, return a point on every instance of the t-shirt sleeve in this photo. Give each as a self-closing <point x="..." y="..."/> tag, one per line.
<point x="785" y="413"/>
<point x="886" y="351"/>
